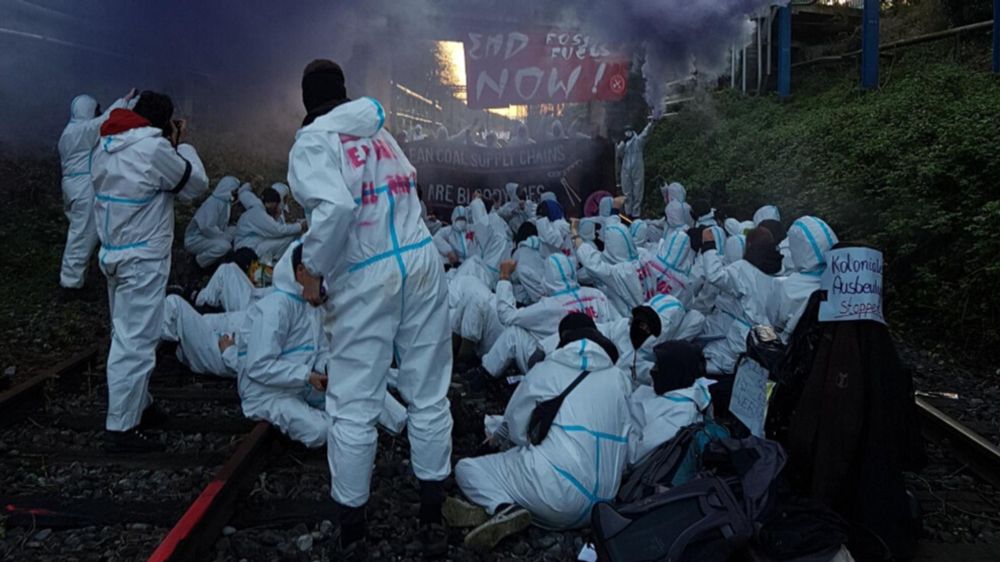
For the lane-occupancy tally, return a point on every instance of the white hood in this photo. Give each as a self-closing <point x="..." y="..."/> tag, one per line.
<point x="677" y="215"/>
<point x="82" y="108"/>
<point x="809" y="239"/>
<point x="560" y="275"/>
<point x="605" y="207"/>
<point x="640" y="232"/>
<point x="675" y="251"/>
<point x="249" y="200"/>
<point x="360" y="118"/>
<point x="511" y="189"/>
<point x="281" y="188"/>
<point x="767" y="212"/>
<point x="224" y="189"/>
<point x="733" y="227"/>
<point x="619" y="247"/>
<point x="120" y="141"/>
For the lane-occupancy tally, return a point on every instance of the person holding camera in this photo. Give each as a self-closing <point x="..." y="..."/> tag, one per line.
<point x="139" y="168"/>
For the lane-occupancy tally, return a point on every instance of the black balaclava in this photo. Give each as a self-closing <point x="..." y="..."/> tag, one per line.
<point x="322" y="88"/>
<point x="678" y="365"/>
<point x="762" y="252"/>
<point x="645" y="323"/>
<point x="776" y="229"/>
<point x="578" y="326"/>
<point x="244" y="258"/>
<point x="694" y="235"/>
<point x="525" y="231"/>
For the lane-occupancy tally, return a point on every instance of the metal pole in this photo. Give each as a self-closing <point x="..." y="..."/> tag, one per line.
<point x="732" y="73"/>
<point x="784" y="52"/>
<point x="770" y="43"/>
<point x="744" y="56"/>
<point x="760" y="53"/>
<point x="869" y="45"/>
<point x="996" y="36"/>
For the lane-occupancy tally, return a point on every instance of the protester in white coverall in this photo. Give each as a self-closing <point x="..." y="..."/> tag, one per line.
<point x="208" y="236"/>
<point x="455" y="241"/>
<point x="388" y="296"/>
<point x="260" y="228"/>
<point x="197" y="336"/>
<point x="580" y="461"/>
<point x="670" y="266"/>
<point x="529" y="277"/>
<point x="137" y="173"/>
<point x="283" y="358"/>
<point x="553" y="230"/>
<point x="285" y="193"/>
<point x="678" y="397"/>
<point x="633" y="169"/>
<point x="525" y="327"/>
<point x="76" y="145"/>
<point x="230" y="287"/>
<point x="618" y="269"/>
<point x="492" y="245"/>
<point x="516" y="211"/>
<point x="750" y="282"/>
<point x="809" y="240"/>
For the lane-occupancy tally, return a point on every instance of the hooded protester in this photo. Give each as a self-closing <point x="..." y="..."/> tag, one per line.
<point x="525" y="327"/>
<point x="529" y="277"/>
<point x="618" y="269"/>
<point x="230" y="287"/>
<point x="634" y="169"/>
<point x="208" y="236"/>
<point x="678" y="397"/>
<point x="492" y="245"/>
<point x="137" y="172"/>
<point x="284" y="360"/>
<point x="76" y="145"/>
<point x="606" y="211"/>
<point x="670" y="266"/>
<point x="767" y="212"/>
<point x="516" y="211"/>
<point x="284" y="192"/>
<point x="639" y="230"/>
<point x="521" y="137"/>
<point x="197" y="336"/>
<point x="749" y="281"/>
<point x="581" y="459"/>
<point x="809" y="240"/>
<point x="260" y="229"/>
<point x="553" y="230"/>
<point x="455" y="241"/>
<point x="359" y="193"/>
<point x="472" y="309"/>
<point x="780" y="236"/>
<point x="441" y="135"/>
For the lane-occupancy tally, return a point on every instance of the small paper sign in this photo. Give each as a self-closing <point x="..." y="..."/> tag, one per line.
<point x="853" y="284"/>
<point x="749" y="399"/>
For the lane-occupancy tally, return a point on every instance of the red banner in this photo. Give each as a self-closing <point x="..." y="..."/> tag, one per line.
<point x="542" y="66"/>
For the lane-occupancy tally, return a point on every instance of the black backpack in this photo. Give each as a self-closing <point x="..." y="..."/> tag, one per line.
<point x="700" y="520"/>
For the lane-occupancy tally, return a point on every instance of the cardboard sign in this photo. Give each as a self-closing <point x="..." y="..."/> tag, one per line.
<point x="450" y="173"/>
<point x="853" y="285"/>
<point x="542" y="66"/>
<point x="749" y="400"/>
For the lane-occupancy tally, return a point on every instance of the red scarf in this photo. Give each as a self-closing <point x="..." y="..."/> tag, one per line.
<point x="122" y="120"/>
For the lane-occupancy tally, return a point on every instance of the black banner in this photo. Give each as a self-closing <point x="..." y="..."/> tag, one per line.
<point x="450" y="173"/>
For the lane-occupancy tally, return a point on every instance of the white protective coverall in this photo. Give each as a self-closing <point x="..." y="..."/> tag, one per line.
<point x="473" y="312"/>
<point x="639" y="229"/>
<point x="230" y="289"/>
<point x="809" y="240"/>
<point x="751" y="288"/>
<point x="137" y="174"/>
<point x="580" y="461"/>
<point x="283" y="191"/>
<point x="76" y="145"/>
<point x="457" y="237"/>
<point x="770" y="212"/>
<point x="261" y="232"/>
<point x="634" y="171"/>
<point x="529" y="278"/>
<point x="388" y="295"/>
<point x="555" y="237"/>
<point x="280" y="343"/>
<point x="208" y="236"/>
<point x="492" y="245"/>
<point x="670" y="266"/>
<point x="197" y="336"/>
<point x="618" y="269"/>
<point x="705" y="292"/>
<point x="525" y="327"/>
<point x="656" y="418"/>
<point x="606" y="211"/>
<point x="514" y="211"/>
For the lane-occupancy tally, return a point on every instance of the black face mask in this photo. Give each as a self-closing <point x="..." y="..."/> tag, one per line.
<point x="638" y="333"/>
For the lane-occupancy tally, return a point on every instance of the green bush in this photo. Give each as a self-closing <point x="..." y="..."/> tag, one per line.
<point x="911" y="168"/>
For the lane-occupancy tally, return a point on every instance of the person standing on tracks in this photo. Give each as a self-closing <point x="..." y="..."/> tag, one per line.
<point x="139" y="168"/>
<point x="388" y="297"/>
<point x="76" y="148"/>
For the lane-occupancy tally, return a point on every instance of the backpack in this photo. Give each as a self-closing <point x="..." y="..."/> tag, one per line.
<point x="700" y="520"/>
<point x="673" y="463"/>
<point x="705" y="519"/>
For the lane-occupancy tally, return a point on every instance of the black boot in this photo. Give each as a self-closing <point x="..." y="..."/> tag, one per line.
<point x="350" y="539"/>
<point x="131" y="441"/>
<point x="433" y="534"/>
<point x="153" y="417"/>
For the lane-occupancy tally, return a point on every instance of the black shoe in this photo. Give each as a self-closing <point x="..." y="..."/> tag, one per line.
<point x="434" y="541"/>
<point x="132" y="441"/>
<point x="476" y="378"/>
<point x="153" y="417"/>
